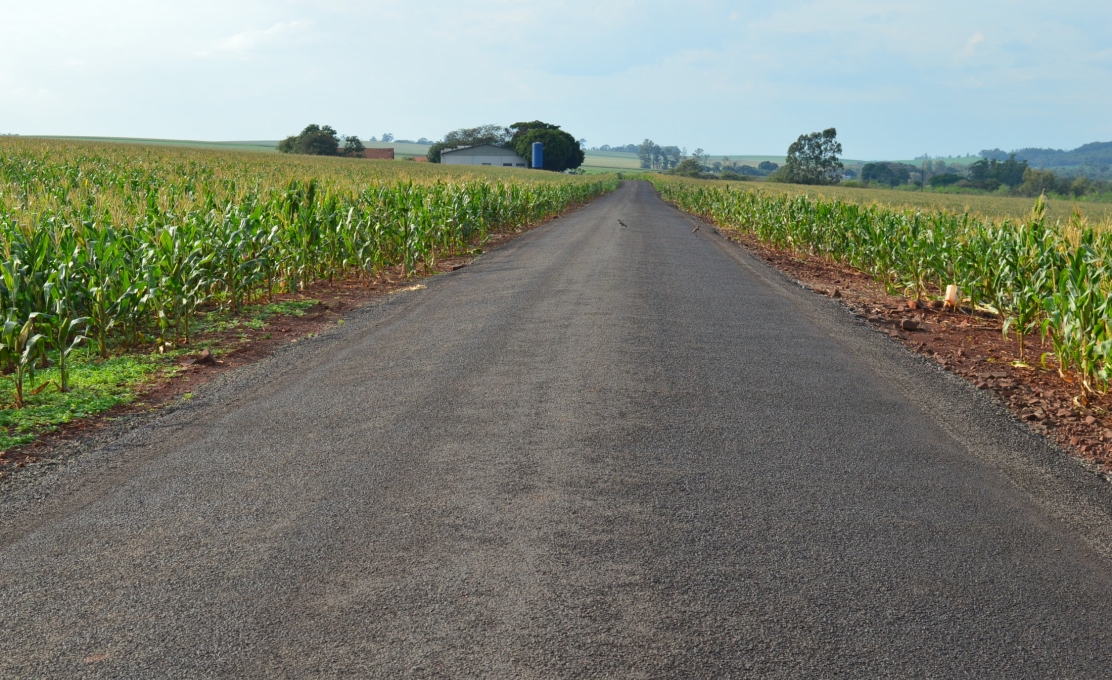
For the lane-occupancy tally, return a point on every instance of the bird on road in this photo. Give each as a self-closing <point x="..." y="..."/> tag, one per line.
<point x="695" y="229"/>
<point x="622" y="223"/>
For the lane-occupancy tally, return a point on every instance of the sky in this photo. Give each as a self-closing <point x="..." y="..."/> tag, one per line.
<point x="897" y="79"/>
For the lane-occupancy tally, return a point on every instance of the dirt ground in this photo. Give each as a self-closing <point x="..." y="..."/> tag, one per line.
<point x="970" y="345"/>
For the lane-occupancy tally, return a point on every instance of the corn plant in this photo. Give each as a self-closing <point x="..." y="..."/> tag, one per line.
<point x="20" y="346"/>
<point x="138" y="241"/>
<point x="65" y="327"/>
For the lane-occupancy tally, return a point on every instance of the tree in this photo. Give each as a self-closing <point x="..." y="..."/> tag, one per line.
<point x="1009" y="172"/>
<point x="388" y="137"/>
<point x="1038" y="182"/>
<point x="561" y="150"/>
<point x="887" y="173"/>
<point x="944" y="180"/>
<point x="315" y="140"/>
<point x="672" y="156"/>
<point x="767" y="166"/>
<point x="646" y="153"/>
<point x="495" y="135"/>
<point x="813" y="159"/>
<point x="688" y="168"/>
<point x="353" y="147"/>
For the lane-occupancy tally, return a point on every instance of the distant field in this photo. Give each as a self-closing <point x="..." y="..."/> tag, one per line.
<point x="267" y="146"/>
<point x="264" y="145"/>
<point x="277" y="168"/>
<point x="610" y="160"/>
<point x="997" y="207"/>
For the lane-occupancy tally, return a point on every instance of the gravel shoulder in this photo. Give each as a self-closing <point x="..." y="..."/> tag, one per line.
<point x="598" y="451"/>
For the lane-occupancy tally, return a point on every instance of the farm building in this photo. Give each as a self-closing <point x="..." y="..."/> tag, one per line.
<point x="484" y="155"/>
<point x="383" y="154"/>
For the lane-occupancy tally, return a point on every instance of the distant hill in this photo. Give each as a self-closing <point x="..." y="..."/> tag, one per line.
<point x="1092" y="160"/>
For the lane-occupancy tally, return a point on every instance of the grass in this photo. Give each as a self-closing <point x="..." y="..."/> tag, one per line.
<point x="96" y="386"/>
<point x="100" y="385"/>
<point x="221" y="320"/>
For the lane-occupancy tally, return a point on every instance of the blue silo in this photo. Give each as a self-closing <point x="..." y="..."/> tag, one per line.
<point x="538" y="155"/>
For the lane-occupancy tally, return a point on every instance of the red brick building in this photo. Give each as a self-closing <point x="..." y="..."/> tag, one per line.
<point x="381" y="154"/>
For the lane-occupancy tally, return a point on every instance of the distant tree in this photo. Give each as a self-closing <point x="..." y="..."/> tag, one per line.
<point x="944" y="180"/>
<point x="388" y="137"/>
<point x="767" y="166"/>
<point x="688" y="168"/>
<point x="647" y="153"/>
<point x="1009" y="172"/>
<point x="887" y="173"/>
<point x="671" y="155"/>
<point x="495" y="135"/>
<point x="1037" y="182"/>
<point x="561" y="150"/>
<point x="993" y="154"/>
<point x="423" y="141"/>
<point x="353" y="147"/>
<point x="315" y="140"/>
<point x="813" y="159"/>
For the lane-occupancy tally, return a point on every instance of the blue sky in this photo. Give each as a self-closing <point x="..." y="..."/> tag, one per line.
<point x="897" y="79"/>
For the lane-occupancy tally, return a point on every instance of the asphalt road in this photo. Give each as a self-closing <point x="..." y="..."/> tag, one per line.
<point x="600" y="451"/>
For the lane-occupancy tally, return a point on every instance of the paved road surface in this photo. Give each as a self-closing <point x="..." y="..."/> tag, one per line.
<point x="597" y="452"/>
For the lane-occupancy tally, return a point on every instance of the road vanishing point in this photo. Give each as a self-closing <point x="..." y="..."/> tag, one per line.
<point x="600" y="451"/>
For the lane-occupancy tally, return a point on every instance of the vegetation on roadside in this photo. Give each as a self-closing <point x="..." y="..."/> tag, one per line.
<point x="1038" y="276"/>
<point x="991" y="206"/>
<point x="135" y="249"/>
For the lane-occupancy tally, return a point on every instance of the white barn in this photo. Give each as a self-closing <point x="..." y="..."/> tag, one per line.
<point x="486" y="154"/>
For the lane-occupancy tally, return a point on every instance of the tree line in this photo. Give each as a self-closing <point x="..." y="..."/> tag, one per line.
<point x="321" y="140"/>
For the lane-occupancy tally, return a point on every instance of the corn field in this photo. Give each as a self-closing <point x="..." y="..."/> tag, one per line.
<point x="123" y="246"/>
<point x="1038" y="277"/>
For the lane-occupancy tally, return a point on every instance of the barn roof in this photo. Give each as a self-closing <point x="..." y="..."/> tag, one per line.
<point x="482" y="150"/>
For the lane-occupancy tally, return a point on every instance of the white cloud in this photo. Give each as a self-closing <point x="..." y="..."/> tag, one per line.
<point x="280" y="34"/>
<point x="971" y="45"/>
